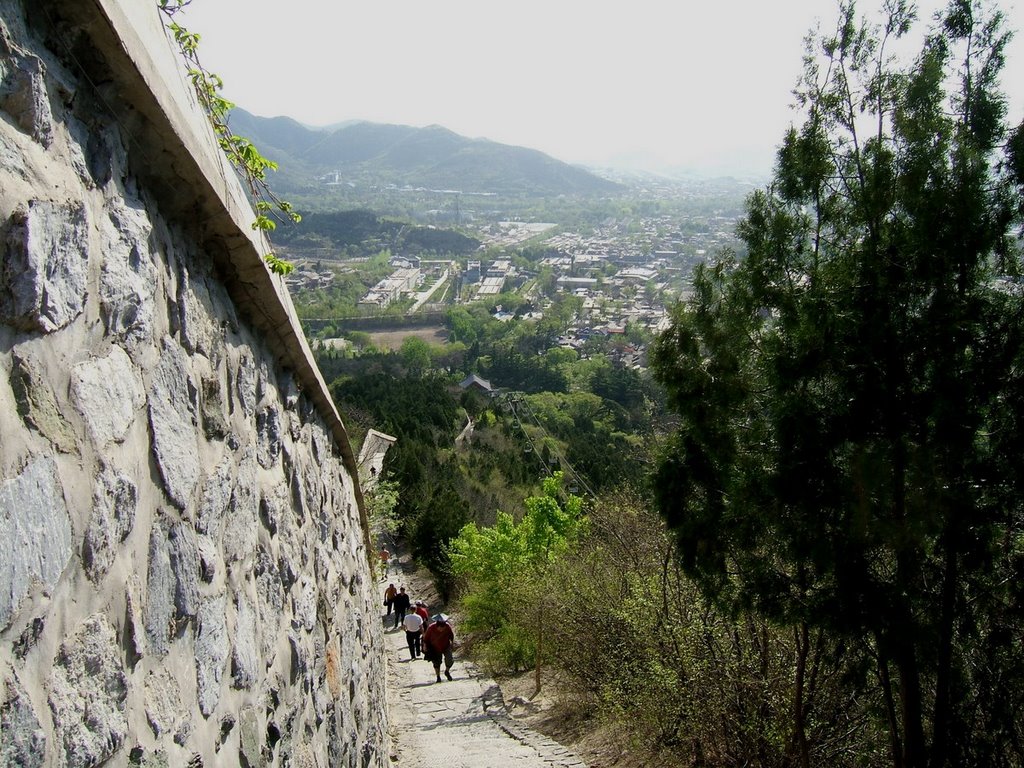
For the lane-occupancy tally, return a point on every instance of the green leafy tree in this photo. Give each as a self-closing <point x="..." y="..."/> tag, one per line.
<point x="850" y="392"/>
<point x="439" y="519"/>
<point x="415" y="354"/>
<point x="509" y="561"/>
<point x="461" y="325"/>
<point x="381" y="503"/>
<point x="547" y="282"/>
<point x="361" y="340"/>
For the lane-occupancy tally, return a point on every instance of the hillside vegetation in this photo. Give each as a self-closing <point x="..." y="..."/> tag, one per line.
<point x="363" y="233"/>
<point x="590" y="419"/>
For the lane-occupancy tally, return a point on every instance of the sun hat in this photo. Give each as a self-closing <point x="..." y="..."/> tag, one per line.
<point x="443" y="618"/>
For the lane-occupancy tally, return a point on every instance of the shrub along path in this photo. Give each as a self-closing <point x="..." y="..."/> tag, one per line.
<point x="457" y="724"/>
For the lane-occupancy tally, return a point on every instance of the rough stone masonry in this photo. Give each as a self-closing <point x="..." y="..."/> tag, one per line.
<point x="184" y="576"/>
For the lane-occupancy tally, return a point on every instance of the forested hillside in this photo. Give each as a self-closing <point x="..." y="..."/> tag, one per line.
<point x="363" y="233"/>
<point x="432" y="157"/>
<point x="591" y="419"/>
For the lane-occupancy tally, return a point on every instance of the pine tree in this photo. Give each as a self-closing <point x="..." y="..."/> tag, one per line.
<point x="852" y="389"/>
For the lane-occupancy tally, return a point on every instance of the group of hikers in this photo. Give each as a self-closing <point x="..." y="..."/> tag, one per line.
<point x="428" y="636"/>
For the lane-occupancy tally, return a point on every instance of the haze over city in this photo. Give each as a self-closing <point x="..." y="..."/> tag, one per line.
<point x="699" y="87"/>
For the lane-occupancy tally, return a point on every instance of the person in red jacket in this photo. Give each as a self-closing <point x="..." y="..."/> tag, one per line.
<point x="421" y="609"/>
<point x="437" y="644"/>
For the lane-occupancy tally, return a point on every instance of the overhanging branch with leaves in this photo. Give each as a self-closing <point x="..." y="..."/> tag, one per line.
<point x="251" y="165"/>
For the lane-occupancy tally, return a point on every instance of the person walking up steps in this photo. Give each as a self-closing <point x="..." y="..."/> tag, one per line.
<point x="413" y="624"/>
<point x="401" y="605"/>
<point x="389" y="597"/>
<point x="437" y="645"/>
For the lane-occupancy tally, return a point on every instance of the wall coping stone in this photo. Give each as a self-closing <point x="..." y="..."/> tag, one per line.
<point x="170" y="137"/>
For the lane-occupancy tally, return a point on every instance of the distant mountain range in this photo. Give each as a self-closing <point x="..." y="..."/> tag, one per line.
<point x="431" y="157"/>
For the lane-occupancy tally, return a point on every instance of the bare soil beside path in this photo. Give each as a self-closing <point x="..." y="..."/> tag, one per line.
<point x="565" y="717"/>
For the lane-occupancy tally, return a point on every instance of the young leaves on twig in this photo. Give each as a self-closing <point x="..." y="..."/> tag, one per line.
<point x="240" y="151"/>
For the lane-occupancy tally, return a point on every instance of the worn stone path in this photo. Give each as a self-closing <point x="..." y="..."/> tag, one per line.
<point x="457" y="724"/>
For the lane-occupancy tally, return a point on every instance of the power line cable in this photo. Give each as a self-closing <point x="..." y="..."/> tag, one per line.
<point x="518" y="399"/>
<point x="562" y="460"/>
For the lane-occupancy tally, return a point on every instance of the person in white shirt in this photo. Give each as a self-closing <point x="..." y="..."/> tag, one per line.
<point x="413" y="624"/>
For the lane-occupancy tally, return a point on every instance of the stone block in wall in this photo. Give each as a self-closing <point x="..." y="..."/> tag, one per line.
<point x="272" y="508"/>
<point x="250" y="739"/>
<point x="304" y="610"/>
<point x="114" y="501"/>
<point x="298" y="492"/>
<point x="88" y="691"/>
<point x="128" y="277"/>
<point x="162" y="696"/>
<point x="245" y="664"/>
<point x="108" y="392"/>
<point x="227" y="726"/>
<point x="23" y="90"/>
<point x="325" y="563"/>
<point x="133" y="627"/>
<point x="209" y="558"/>
<point x="268" y="436"/>
<point x="44" y="272"/>
<point x="143" y="758"/>
<point x="216" y="499"/>
<point x="36" y="532"/>
<point x="211" y="652"/>
<point x="332" y="667"/>
<point x="24" y="741"/>
<point x="12" y="158"/>
<point x="303" y="756"/>
<point x="215" y="425"/>
<point x="270" y="597"/>
<point x="200" y="332"/>
<point x="299" y="668"/>
<point x="186" y="567"/>
<point x="172" y="417"/>
<point x="102" y="151"/>
<point x="36" y="402"/>
<point x="246" y="375"/>
<point x="242" y="522"/>
<point x="158" y="608"/>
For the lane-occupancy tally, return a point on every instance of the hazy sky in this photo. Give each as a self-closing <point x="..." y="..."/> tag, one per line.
<point x="706" y="85"/>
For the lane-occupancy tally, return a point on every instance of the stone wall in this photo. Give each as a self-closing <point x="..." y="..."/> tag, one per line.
<point x="184" y="574"/>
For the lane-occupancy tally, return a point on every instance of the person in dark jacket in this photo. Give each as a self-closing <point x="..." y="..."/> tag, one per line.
<point x="401" y="605"/>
